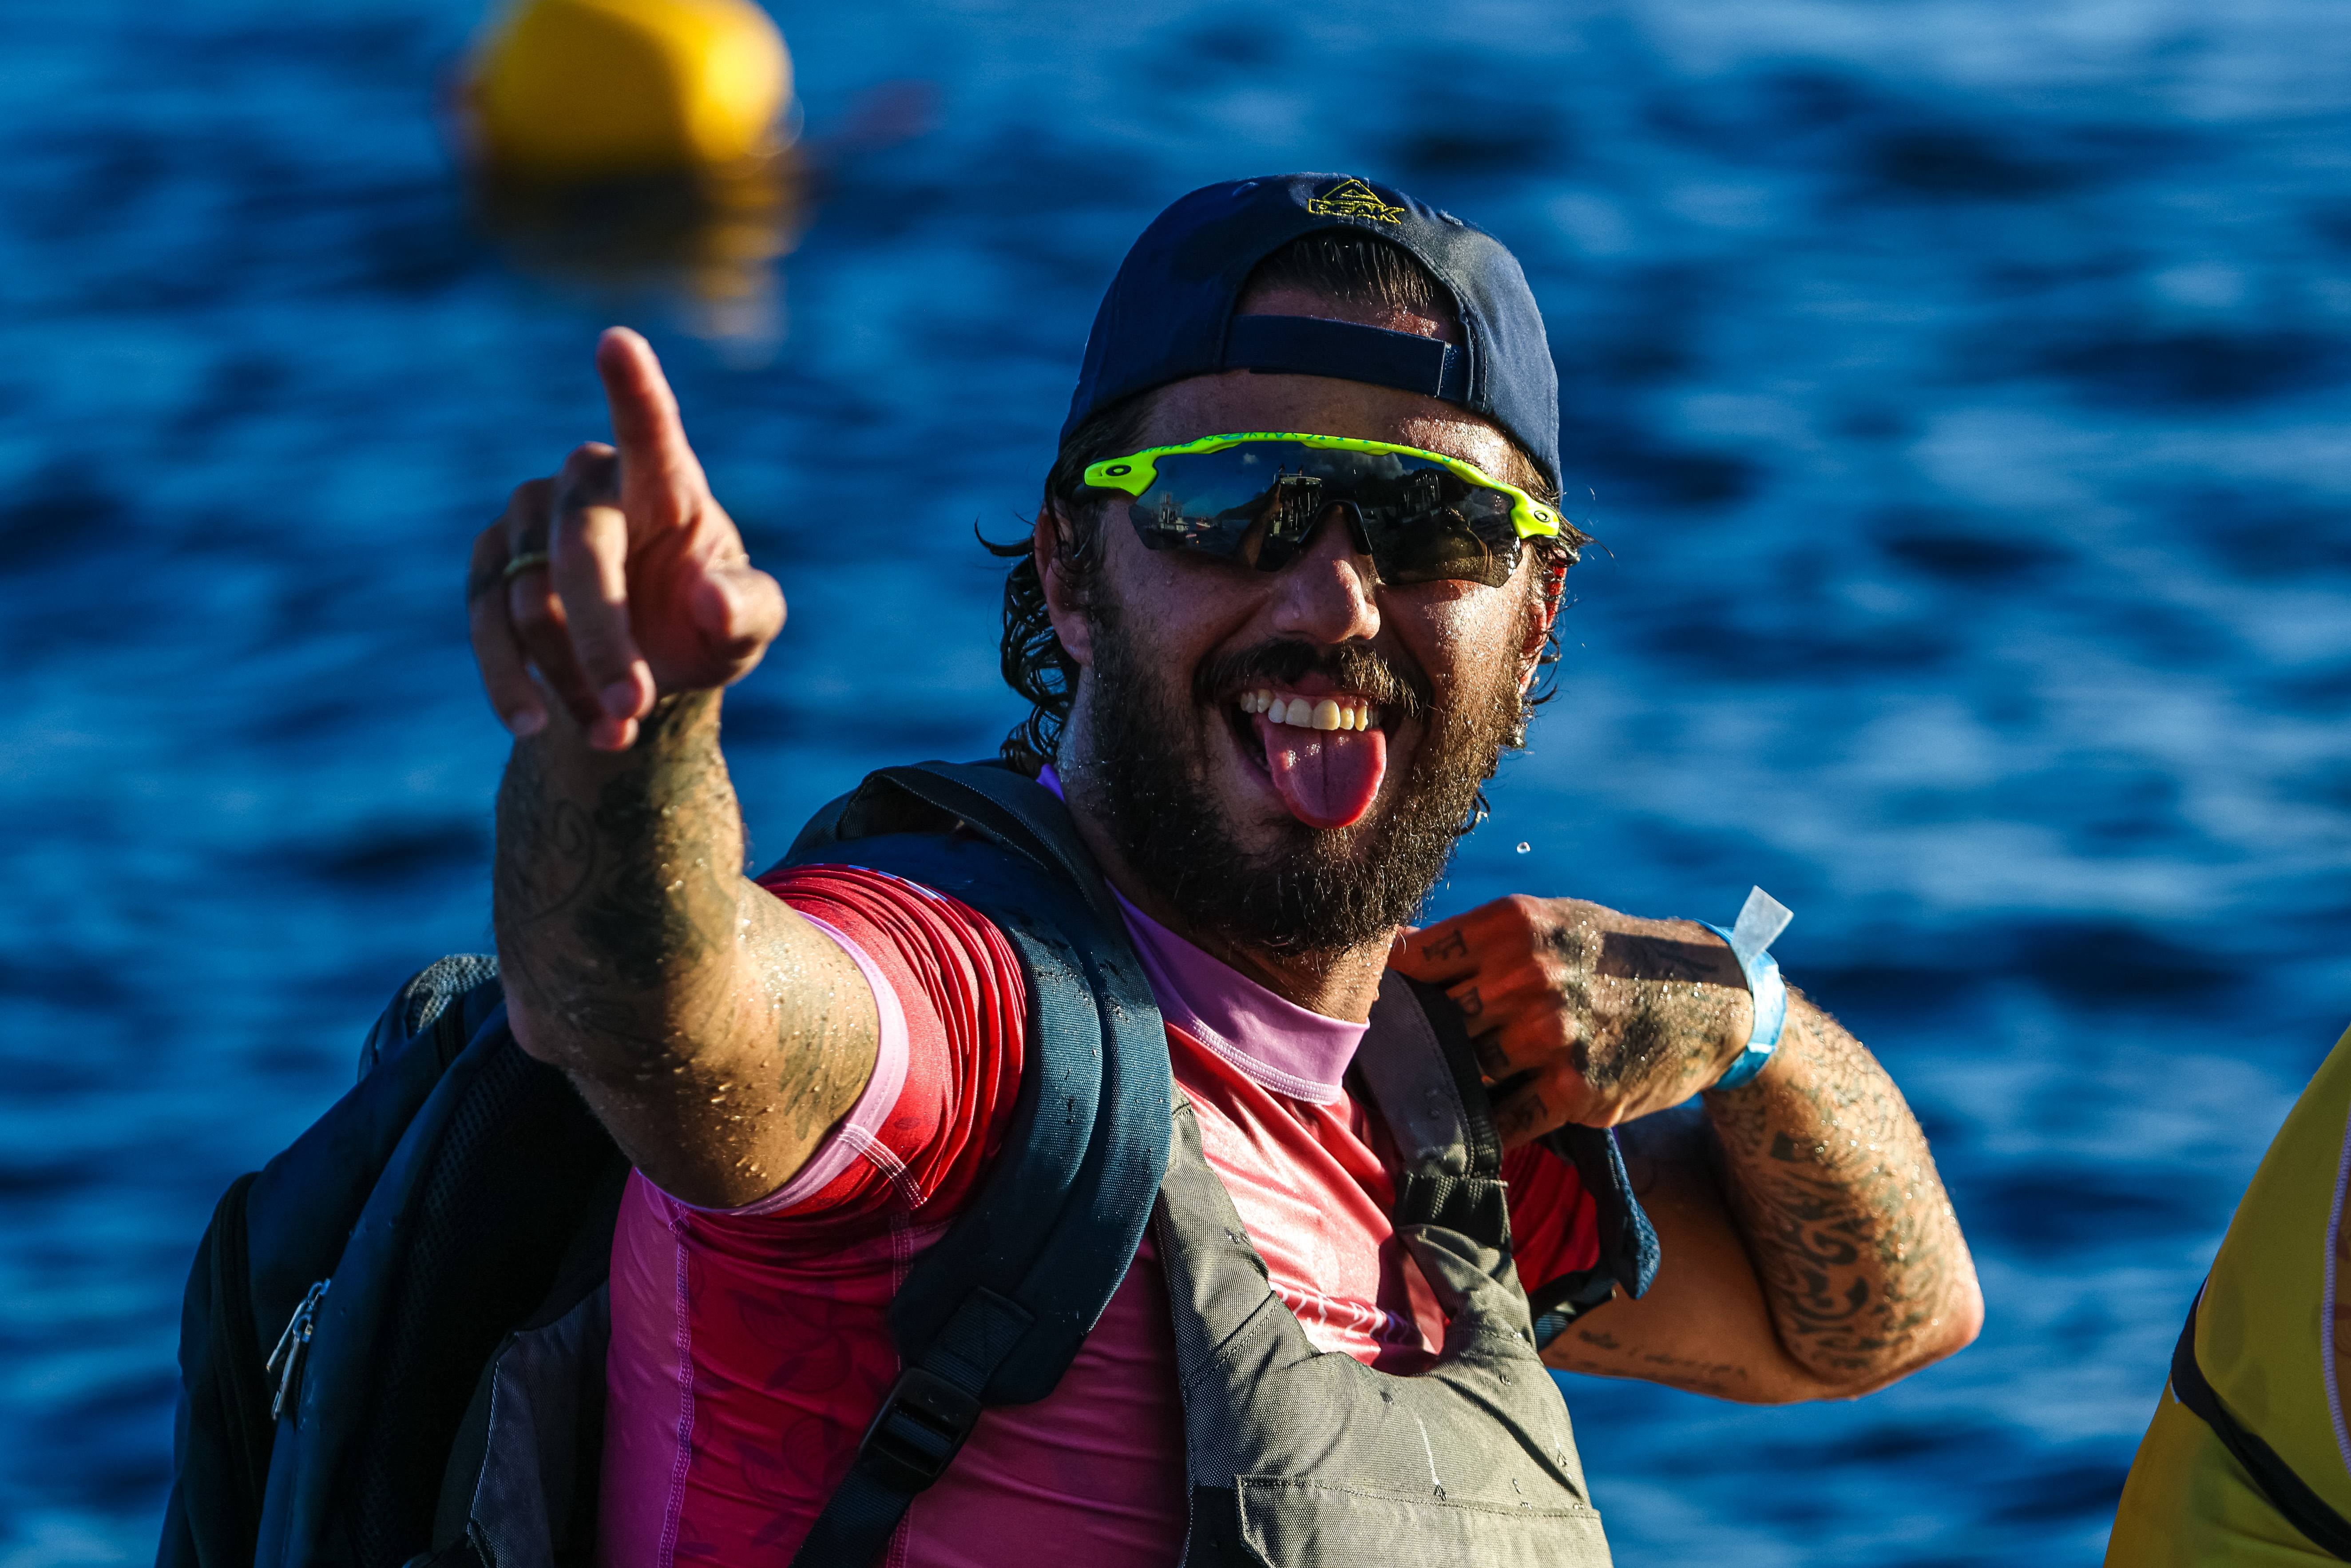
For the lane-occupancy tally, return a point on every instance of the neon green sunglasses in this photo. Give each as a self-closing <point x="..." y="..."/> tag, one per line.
<point x="1256" y="499"/>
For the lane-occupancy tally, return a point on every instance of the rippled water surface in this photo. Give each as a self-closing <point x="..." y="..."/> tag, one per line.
<point x="1960" y="393"/>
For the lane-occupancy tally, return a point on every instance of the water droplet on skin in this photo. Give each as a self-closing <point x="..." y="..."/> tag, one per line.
<point x="1524" y="846"/>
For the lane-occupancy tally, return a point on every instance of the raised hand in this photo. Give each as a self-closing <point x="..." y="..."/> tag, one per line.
<point x="1581" y="1014"/>
<point x="620" y="580"/>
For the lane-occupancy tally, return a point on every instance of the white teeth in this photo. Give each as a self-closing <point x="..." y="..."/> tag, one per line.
<point x="1324" y="713"/>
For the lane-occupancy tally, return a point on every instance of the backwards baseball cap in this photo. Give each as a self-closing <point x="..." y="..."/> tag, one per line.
<point x="1169" y="311"/>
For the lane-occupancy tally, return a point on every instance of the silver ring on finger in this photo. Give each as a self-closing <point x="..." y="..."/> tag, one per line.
<point x="529" y="560"/>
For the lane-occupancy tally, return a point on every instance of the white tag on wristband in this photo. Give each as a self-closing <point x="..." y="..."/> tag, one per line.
<point x="1760" y="922"/>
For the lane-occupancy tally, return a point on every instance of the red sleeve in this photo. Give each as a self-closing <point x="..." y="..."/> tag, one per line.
<point x="959" y="985"/>
<point x="1555" y="1228"/>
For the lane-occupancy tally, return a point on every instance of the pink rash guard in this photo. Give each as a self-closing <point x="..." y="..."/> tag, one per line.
<point x="750" y="1348"/>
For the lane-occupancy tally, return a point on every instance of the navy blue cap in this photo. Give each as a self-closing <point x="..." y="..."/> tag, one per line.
<point x="1169" y="311"/>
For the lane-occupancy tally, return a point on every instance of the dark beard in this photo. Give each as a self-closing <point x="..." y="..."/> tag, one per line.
<point x="1319" y="892"/>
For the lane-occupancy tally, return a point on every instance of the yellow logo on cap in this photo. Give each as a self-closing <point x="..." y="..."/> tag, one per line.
<point x="1353" y="199"/>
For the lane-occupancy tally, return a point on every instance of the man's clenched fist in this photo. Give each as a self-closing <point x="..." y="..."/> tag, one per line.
<point x="1581" y="1014"/>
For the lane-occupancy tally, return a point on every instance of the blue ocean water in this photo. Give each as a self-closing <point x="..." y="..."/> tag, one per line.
<point x="1959" y="389"/>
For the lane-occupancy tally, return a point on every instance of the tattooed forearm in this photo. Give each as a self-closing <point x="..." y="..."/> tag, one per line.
<point x="717" y="1033"/>
<point x="619" y="877"/>
<point x="1852" y="1235"/>
<point x="1616" y="1358"/>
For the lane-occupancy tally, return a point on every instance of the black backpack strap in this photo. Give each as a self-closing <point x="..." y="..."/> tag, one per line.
<point x="996" y="1310"/>
<point x="1423" y="1075"/>
<point x="1629" y="1252"/>
<point x="2288" y="1493"/>
<point x="1008" y="809"/>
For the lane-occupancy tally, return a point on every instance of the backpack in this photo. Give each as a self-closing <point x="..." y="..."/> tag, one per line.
<point x="391" y="1338"/>
<point x="352" y="1293"/>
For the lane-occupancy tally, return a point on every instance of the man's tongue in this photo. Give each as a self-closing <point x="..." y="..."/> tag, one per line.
<point x="1326" y="777"/>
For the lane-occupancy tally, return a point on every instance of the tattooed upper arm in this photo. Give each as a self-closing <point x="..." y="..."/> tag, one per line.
<point x="1809" y="1250"/>
<point x="1701" y="1326"/>
<point x="1861" y="1256"/>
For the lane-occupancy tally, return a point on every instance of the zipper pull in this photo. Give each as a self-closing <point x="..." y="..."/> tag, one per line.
<point x="290" y="1346"/>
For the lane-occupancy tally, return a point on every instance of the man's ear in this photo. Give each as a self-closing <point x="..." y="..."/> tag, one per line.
<point x="1543" y="608"/>
<point x="1064" y="599"/>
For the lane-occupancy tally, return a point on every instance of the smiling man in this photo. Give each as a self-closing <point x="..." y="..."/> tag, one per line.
<point x="1296" y="569"/>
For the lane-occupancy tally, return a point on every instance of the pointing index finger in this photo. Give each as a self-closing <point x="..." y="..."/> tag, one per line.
<point x="646" y="423"/>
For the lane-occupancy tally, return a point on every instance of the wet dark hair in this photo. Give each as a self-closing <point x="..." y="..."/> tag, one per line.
<point x="1336" y="265"/>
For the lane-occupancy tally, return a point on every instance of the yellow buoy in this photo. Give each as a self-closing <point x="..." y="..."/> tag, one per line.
<point x="586" y="89"/>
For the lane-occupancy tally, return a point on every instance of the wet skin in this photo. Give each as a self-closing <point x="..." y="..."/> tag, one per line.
<point x="1810" y="1251"/>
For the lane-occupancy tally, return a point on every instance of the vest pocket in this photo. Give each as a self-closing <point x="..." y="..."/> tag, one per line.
<point x="1294" y="1524"/>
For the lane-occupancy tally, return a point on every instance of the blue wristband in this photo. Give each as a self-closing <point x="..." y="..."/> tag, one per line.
<point x="1760" y="921"/>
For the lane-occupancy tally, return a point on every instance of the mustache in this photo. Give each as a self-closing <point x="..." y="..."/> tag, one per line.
<point x="1354" y="667"/>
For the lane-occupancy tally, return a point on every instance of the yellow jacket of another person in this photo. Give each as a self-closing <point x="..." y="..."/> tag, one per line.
<point x="2264" y="1343"/>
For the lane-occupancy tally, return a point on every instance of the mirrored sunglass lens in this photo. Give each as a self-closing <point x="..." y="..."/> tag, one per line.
<point x="1468" y="536"/>
<point x="1258" y="504"/>
<point x="1223" y="504"/>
